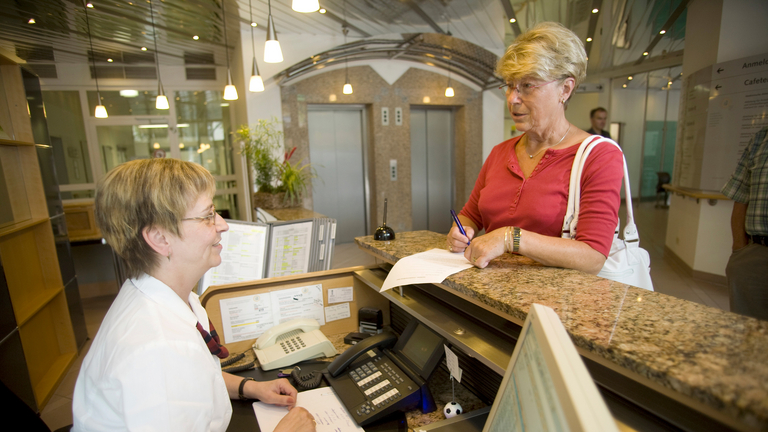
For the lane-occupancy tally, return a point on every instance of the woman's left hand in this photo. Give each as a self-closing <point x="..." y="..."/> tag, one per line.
<point x="485" y="248"/>
<point x="276" y="392"/>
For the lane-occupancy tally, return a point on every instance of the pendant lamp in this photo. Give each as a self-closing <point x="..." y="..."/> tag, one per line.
<point x="449" y="90"/>
<point x="347" y="89"/>
<point x="256" y="84"/>
<point x="161" y="102"/>
<point x="101" y="110"/>
<point x="230" y="92"/>
<point x="305" y="6"/>
<point x="272" y="51"/>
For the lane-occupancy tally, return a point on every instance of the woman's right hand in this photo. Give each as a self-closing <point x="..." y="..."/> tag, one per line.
<point x="298" y="419"/>
<point x="457" y="241"/>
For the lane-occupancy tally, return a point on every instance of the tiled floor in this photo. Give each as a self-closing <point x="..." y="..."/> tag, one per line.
<point x="668" y="277"/>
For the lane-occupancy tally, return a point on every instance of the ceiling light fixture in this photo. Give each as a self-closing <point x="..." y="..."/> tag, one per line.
<point x="662" y="32"/>
<point x="256" y="84"/>
<point x="101" y="110"/>
<point x="347" y="89"/>
<point x="129" y="93"/>
<point x="195" y="37"/>
<point x="230" y="91"/>
<point x="109" y="60"/>
<point x="272" y="51"/>
<point x="630" y="77"/>
<point x="322" y="10"/>
<point x="305" y="6"/>
<point x="31" y="21"/>
<point x="589" y="39"/>
<point x="645" y="53"/>
<point x="449" y="90"/>
<point x="161" y="102"/>
<point x="512" y="20"/>
<point x="595" y="10"/>
<point x="143" y="48"/>
<point x="89" y="5"/>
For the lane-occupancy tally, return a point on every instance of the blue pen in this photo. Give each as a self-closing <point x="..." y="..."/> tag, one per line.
<point x="461" y="228"/>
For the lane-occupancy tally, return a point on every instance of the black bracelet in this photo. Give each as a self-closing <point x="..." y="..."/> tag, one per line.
<point x="516" y="239"/>
<point x="242" y="387"/>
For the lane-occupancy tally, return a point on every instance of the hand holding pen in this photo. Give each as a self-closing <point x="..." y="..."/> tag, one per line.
<point x="459" y="237"/>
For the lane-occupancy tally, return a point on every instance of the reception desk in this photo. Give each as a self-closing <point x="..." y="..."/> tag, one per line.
<point x="653" y="356"/>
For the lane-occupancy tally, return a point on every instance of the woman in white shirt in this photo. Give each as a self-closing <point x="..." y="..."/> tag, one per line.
<point x="152" y="364"/>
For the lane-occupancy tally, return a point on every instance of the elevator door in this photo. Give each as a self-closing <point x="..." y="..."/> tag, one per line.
<point x="336" y="152"/>
<point x="431" y="169"/>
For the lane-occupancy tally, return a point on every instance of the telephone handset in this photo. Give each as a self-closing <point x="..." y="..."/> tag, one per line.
<point x="381" y="340"/>
<point x="291" y="342"/>
<point x="383" y="374"/>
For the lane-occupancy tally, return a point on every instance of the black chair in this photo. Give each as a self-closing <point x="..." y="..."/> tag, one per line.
<point x="664" y="178"/>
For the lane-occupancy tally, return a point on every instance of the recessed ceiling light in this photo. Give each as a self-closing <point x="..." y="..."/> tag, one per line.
<point x="595" y="10"/>
<point x="625" y="86"/>
<point x="662" y="32"/>
<point x="512" y="20"/>
<point x="31" y="21"/>
<point x="143" y="48"/>
<point x="195" y="37"/>
<point x="110" y="60"/>
<point x="89" y="5"/>
<point x="322" y="10"/>
<point x="253" y="24"/>
<point x="129" y="93"/>
<point x="669" y="83"/>
<point x="589" y="39"/>
<point x="645" y="53"/>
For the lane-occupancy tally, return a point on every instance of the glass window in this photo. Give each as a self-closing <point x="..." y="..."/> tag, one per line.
<point x="126" y="103"/>
<point x="204" y="131"/>
<point x="67" y="132"/>
<point x="118" y="144"/>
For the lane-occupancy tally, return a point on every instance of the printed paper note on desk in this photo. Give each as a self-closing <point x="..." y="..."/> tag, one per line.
<point x="322" y="403"/>
<point x="432" y="266"/>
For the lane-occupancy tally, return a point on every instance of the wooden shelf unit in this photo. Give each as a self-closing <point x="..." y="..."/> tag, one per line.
<point x="28" y="251"/>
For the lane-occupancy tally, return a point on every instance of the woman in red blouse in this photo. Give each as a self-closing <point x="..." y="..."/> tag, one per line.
<point x="521" y="194"/>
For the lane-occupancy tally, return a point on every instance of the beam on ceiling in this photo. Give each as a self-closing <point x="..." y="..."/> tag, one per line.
<point x="510" y="11"/>
<point x="427" y="19"/>
<point x="667" y="26"/>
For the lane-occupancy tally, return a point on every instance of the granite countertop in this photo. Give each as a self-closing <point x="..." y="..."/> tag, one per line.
<point x="715" y="357"/>
<point x="439" y="385"/>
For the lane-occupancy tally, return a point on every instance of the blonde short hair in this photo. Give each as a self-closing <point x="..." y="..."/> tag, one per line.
<point x="548" y="51"/>
<point x="147" y="193"/>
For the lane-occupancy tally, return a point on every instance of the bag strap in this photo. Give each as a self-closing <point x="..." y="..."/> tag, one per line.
<point x="630" y="233"/>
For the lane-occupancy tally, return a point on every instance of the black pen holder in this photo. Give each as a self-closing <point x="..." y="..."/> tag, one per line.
<point x="384" y="233"/>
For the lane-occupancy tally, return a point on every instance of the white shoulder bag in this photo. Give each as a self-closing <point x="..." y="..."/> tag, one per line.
<point x="627" y="262"/>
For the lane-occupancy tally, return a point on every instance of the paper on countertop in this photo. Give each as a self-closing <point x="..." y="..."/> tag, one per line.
<point x="432" y="266"/>
<point x="324" y="405"/>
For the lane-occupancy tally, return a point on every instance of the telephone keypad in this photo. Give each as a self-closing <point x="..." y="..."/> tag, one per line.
<point x="292" y="344"/>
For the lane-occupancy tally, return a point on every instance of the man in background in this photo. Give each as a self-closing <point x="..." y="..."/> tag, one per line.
<point x="747" y="270"/>
<point x="598" y="117"/>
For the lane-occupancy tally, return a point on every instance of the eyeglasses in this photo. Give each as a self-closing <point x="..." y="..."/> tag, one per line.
<point x="210" y="219"/>
<point x="523" y="89"/>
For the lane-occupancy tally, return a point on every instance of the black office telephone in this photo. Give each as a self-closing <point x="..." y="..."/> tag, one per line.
<point x="383" y="374"/>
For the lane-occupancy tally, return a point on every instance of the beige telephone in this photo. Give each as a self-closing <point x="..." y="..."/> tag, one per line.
<point x="291" y="342"/>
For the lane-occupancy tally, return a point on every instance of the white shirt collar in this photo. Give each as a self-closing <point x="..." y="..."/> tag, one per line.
<point x="165" y="296"/>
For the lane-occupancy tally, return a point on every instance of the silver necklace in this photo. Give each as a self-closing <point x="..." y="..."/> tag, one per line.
<point x="561" y="140"/>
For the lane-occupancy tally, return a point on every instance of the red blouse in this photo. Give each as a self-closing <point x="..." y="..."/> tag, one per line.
<point x="502" y="196"/>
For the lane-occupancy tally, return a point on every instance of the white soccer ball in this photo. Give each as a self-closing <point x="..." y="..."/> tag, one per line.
<point x="452" y="409"/>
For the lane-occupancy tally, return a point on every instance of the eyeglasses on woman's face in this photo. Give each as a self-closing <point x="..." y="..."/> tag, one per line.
<point x="523" y="89"/>
<point x="209" y="219"/>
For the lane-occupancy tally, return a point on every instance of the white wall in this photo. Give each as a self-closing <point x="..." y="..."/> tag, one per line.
<point x="628" y="107"/>
<point x="494" y="106"/>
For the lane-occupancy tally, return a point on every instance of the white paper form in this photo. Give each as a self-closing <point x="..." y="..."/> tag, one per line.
<point x="290" y="246"/>
<point x="301" y="302"/>
<point x="322" y="403"/>
<point x="246" y="317"/>
<point x="338" y="295"/>
<point x="242" y="255"/>
<point x="432" y="266"/>
<point x="337" y="312"/>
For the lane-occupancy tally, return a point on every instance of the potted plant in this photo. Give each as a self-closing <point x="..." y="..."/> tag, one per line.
<point x="278" y="184"/>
